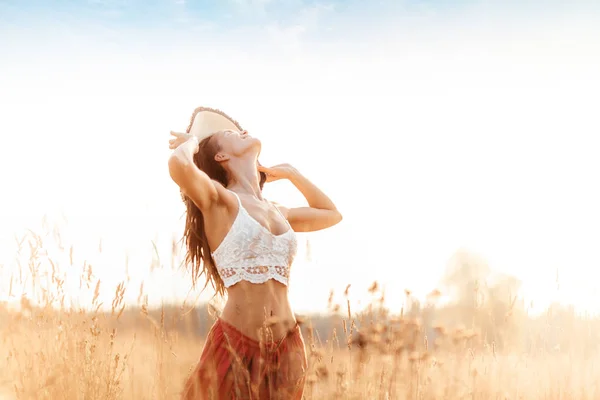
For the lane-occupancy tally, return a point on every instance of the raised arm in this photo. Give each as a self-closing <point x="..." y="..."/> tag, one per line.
<point x="193" y="182"/>
<point x="321" y="213"/>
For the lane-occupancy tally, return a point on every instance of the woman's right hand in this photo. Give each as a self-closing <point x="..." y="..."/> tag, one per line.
<point x="178" y="140"/>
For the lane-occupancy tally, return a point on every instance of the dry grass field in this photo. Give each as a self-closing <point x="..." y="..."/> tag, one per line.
<point x="479" y="347"/>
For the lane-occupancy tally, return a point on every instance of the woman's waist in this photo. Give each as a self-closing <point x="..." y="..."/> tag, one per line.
<point x="259" y="299"/>
<point x="252" y="307"/>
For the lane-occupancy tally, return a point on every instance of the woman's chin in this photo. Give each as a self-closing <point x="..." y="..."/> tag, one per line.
<point x="256" y="144"/>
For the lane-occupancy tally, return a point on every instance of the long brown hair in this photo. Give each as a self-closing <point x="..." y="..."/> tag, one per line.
<point x="198" y="253"/>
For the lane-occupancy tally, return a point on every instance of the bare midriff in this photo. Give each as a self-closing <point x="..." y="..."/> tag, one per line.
<point x="251" y="307"/>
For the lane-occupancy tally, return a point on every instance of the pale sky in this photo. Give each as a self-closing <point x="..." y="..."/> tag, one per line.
<point x="433" y="126"/>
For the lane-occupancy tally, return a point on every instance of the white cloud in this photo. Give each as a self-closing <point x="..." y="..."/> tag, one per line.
<point x="252" y="8"/>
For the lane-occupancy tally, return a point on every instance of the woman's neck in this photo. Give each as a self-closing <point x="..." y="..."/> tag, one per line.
<point x="244" y="176"/>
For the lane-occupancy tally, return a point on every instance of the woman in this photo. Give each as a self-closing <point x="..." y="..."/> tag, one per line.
<point x="244" y="245"/>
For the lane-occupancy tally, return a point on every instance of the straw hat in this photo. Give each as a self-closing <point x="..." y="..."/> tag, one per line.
<point x="206" y="121"/>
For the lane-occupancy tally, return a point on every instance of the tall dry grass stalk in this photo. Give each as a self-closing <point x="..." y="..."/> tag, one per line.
<point x="52" y="351"/>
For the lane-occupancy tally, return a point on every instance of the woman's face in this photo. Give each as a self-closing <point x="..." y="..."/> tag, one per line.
<point x="237" y="144"/>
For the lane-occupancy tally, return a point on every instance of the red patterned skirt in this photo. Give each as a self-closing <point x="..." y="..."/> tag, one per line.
<point x="235" y="366"/>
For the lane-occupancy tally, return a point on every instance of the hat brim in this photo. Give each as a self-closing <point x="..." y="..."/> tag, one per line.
<point x="206" y="121"/>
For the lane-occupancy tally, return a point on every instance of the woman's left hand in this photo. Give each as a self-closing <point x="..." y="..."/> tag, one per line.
<point x="178" y="140"/>
<point x="281" y="171"/>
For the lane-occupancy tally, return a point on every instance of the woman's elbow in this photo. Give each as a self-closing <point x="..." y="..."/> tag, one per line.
<point x="177" y="167"/>
<point x="174" y="169"/>
<point x="337" y="217"/>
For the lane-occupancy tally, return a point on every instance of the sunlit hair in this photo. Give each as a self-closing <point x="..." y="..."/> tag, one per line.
<point x="198" y="253"/>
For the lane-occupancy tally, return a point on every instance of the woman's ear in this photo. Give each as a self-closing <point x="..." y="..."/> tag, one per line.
<point x="220" y="157"/>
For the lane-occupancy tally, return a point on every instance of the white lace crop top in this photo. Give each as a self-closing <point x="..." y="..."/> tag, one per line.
<point x="250" y="252"/>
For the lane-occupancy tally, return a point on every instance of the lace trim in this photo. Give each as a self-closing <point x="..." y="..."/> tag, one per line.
<point x="260" y="274"/>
